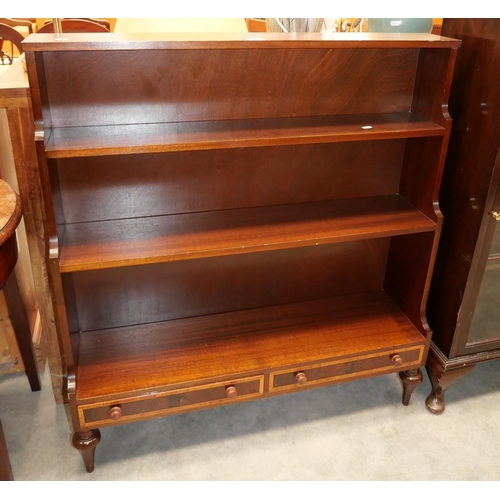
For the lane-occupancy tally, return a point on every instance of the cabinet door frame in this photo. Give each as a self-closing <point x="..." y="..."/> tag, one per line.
<point x="460" y="345"/>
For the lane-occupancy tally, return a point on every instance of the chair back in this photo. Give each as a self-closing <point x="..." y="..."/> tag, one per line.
<point x="25" y="23"/>
<point x="8" y="34"/>
<point x="75" y="26"/>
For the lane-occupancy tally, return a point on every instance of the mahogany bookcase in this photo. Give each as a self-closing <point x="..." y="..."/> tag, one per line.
<point x="231" y="217"/>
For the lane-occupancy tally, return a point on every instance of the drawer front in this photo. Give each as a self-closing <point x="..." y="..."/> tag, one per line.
<point x="345" y="369"/>
<point x="123" y="410"/>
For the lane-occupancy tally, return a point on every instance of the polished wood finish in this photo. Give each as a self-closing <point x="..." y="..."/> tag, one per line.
<point x="10" y="216"/>
<point x="8" y="258"/>
<point x="260" y="221"/>
<point x="231" y="392"/>
<point x="211" y="41"/>
<point x="300" y="378"/>
<point x="468" y="196"/>
<point x="441" y="377"/>
<point x="15" y="99"/>
<point x="161" y="292"/>
<point x="5" y="466"/>
<point x="20" y="324"/>
<point x="86" y="442"/>
<point x="397" y="360"/>
<point x="185" y="350"/>
<point x="115" y="413"/>
<point x="409" y="381"/>
<point x="309" y="95"/>
<point x="105" y="244"/>
<point x="342" y="370"/>
<point x="10" y="212"/>
<point x="203" y="181"/>
<point x="171" y="402"/>
<point x="71" y="142"/>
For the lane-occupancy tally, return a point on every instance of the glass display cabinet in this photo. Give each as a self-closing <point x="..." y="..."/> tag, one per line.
<point x="464" y="300"/>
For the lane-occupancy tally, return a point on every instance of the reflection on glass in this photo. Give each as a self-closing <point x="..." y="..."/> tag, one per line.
<point x="486" y="321"/>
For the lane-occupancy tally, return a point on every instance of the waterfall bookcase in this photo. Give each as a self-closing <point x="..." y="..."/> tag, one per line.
<point x="232" y="217"/>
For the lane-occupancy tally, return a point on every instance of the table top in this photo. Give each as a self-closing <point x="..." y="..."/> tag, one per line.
<point x="10" y="211"/>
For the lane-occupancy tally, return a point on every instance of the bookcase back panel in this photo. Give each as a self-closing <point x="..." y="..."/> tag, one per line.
<point x="118" y="187"/>
<point x="157" y="292"/>
<point x="126" y="87"/>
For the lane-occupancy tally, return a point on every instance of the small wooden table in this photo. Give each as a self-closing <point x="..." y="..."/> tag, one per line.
<point x="15" y="99"/>
<point x="10" y="216"/>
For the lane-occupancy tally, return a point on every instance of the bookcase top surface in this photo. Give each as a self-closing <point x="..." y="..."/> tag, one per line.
<point x="144" y="41"/>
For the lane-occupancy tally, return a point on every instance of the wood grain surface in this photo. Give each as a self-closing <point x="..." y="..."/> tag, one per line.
<point x="10" y="211"/>
<point x="470" y="186"/>
<point x="201" y="41"/>
<point x="121" y="361"/>
<point x="115" y="243"/>
<point x="128" y="186"/>
<point x="170" y="174"/>
<point x="167" y="87"/>
<point x="163" y="137"/>
<point x="123" y="296"/>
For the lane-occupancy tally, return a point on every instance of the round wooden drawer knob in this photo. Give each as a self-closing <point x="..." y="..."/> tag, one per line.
<point x="397" y="360"/>
<point x="231" y="392"/>
<point x="115" y="413"/>
<point x="301" y="378"/>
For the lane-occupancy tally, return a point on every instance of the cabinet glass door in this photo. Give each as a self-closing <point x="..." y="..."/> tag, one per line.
<point x="486" y="321"/>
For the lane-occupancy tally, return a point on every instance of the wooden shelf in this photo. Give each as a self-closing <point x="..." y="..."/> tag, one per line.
<point x="126" y="242"/>
<point x="207" y="41"/>
<point x="119" y="361"/>
<point x="72" y="142"/>
<point x="352" y="116"/>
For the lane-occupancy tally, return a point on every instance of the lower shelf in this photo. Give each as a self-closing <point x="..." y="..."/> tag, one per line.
<point x="269" y="343"/>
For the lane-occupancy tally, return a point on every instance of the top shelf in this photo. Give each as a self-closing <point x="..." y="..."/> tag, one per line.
<point x="143" y="41"/>
<point x="73" y="142"/>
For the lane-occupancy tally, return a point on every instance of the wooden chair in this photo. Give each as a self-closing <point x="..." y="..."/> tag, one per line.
<point x="15" y="23"/>
<point x="256" y="25"/>
<point x="77" y="26"/>
<point x="9" y="34"/>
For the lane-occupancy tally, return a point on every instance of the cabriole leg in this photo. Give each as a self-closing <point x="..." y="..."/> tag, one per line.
<point x="441" y="379"/>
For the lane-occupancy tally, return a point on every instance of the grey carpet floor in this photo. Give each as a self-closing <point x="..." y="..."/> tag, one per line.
<point x="355" y="431"/>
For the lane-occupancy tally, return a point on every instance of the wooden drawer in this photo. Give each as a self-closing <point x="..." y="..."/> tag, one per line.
<point x="345" y="369"/>
<point x="141" y="407"/>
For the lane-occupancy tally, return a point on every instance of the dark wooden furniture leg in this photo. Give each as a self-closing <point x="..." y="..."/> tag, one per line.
<point x="441" y="379"/>
<point x="5" y="468"/>
<point x="409" y="380"/>
<point x="22" y="329"/>
<point x="85" y="443"/>
<point x="10" y="216"/>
